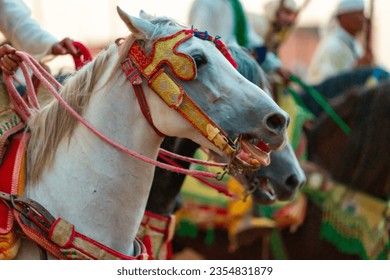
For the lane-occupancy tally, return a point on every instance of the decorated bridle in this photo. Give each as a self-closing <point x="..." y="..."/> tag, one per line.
<point x="150" y="66"/>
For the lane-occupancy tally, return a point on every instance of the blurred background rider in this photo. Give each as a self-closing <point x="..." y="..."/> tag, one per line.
<point x="340" y="49"/>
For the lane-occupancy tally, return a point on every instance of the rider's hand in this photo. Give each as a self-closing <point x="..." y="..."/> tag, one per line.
<point x="64" y="47"/>
<point x="9" y="60"/>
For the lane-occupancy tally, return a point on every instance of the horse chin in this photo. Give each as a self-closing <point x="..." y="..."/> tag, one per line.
<point x="286" y="195"/>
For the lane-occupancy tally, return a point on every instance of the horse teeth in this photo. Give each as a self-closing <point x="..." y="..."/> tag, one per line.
<point x="255" y="162"/>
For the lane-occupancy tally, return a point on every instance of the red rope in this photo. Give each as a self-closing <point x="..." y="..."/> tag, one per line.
<point x="215" y="187"/>
<point x="83" y="57"/>
<point x="192" y="160"/>
<point x="50" y="82"/>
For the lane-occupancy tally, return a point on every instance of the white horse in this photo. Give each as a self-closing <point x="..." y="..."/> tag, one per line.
<point x="98" y="188"/>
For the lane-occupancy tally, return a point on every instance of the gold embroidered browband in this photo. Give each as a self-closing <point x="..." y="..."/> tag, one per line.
<point x="164" y="52"/>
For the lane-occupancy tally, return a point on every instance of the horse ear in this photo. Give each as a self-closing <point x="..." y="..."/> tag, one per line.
<point x="140" y="28"/>
<point x="145" y="15"/>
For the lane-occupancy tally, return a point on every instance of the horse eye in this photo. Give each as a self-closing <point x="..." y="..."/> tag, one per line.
<point x="200" y="60"/>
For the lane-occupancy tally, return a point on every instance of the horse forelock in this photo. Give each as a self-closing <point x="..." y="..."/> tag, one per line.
<point x="50" y="125"/>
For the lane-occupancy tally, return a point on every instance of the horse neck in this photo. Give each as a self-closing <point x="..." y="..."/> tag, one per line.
<point x="360" y="160"/>
<point x="94" y="186"/>
<point x="166" y="185"/>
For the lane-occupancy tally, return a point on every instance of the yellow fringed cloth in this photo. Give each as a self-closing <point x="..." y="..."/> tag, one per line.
<point x="356" y="223"/>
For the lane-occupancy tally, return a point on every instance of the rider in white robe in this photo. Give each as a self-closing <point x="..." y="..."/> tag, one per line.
<point x="23" y="31"/>
<point x="25" y="34"/>
<point x="340" y="50"/>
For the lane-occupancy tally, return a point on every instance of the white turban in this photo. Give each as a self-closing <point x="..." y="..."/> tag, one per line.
<point x="272" y="6"/>
<point x="349" y="6"/>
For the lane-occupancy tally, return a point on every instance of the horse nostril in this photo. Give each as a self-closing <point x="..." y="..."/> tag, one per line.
<point x="277" y="122"/>
<point x="293" y="182"/>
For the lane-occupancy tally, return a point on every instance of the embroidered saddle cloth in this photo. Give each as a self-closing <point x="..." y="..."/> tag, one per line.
<point x="13" y="144"/>
<point x="12" y="179"/>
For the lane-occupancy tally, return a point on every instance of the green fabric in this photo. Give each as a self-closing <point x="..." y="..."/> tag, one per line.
<point x="349" y="244"/>
<point x="277" y="247"/>
<point x="210" y="236"/>
<point x="186" y="228"/>
<point x="350" y="232"/>
<point x="240" y="26"/>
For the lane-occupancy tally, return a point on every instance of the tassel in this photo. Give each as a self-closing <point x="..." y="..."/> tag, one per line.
<point x="186" y="228"/>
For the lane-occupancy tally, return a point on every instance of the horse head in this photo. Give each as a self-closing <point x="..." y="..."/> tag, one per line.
<point x="177" y="62"/>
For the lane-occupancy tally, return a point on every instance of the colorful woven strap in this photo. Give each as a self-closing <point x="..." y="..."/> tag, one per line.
<point x="64" y="242"/>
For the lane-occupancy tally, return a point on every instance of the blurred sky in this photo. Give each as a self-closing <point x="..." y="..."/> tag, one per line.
<point x="95" y="22"/>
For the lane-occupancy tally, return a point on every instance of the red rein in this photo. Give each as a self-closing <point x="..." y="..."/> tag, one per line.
<point x="23" y="109"/>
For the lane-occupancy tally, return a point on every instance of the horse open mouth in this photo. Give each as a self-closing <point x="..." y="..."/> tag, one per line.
<point x="250" y="156"/>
